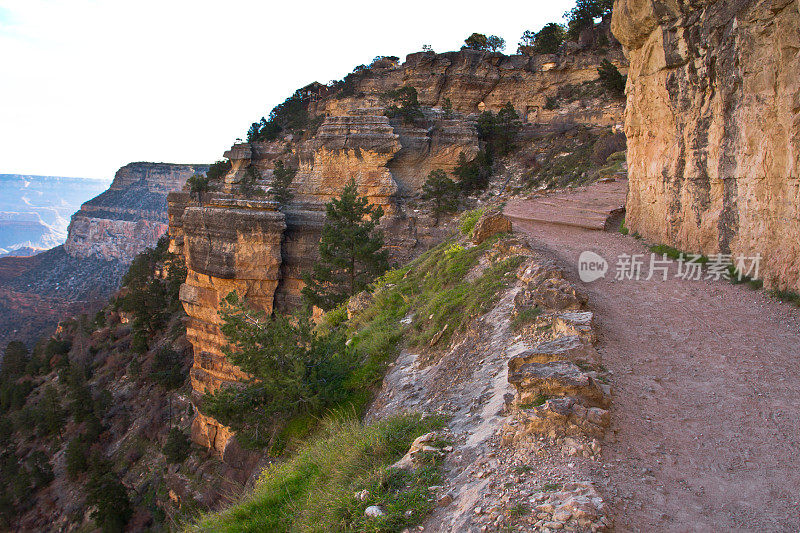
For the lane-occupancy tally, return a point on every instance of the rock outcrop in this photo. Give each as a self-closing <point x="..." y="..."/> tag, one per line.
<point x="104" y="237"/>
<point x="131" y="215"/>
<point x="713" y="127"/>
<point x="232" y="239"/>
<point x="230" y="245"/>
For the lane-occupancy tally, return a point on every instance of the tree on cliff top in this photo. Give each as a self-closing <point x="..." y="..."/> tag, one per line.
<point x="479" y="41"/>
<point x="583" y="14"/>
<point x="198" y="184"/>
<point x="546" y="41"/>
<point x="349" y="248"/>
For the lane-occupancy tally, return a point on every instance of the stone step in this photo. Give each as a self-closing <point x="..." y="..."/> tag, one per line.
<point x="556" y="379"/>
<point x="565" y="348"/>
<point x="565" y="416"/>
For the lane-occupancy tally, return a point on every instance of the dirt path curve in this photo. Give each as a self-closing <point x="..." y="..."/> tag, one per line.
<point x="705" y="432"/>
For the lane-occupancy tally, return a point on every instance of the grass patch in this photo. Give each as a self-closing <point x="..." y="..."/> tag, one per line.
<point x="469" y="219"/>
<point x="675" y="254"/>
<point x="524" y="317"/>
<point x="433" y="289"/>
<point x="315" y="490"/>
<point x="536" y="402"/>
<point x="740" y="279"/>
<point x="787" y="296"/>
<point x="623" y="228"/>
<point x="519" y="510"/>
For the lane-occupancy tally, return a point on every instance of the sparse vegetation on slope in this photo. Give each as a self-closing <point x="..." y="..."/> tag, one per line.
<point x="334" y="477"/>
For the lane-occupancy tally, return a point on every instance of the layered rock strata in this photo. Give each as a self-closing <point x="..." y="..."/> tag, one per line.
<point x="713" y="127"/>
<point x="230" y="245"/>
<point x="353" y="138"/>
<point x="131" y="215"/>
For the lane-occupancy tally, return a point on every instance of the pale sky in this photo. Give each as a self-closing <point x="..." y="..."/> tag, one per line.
<point x="87" y="86"/>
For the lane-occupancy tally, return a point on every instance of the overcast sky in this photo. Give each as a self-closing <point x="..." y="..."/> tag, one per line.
<point x="87" y="86"/>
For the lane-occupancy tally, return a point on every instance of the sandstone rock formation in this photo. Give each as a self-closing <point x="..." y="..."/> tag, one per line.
<point x="713" y="127"/>
<point x="230" y="245"/>
<point x="233" y="241"/>
<point x="104" y="236"/>
<point x="131" y="215"/>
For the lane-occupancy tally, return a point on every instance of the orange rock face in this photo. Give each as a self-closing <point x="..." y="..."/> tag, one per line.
<point x="230" y="245"/>
<point x="131" y="215"/>
<point x="234" y="243"/>
<point x="713" y="130"/>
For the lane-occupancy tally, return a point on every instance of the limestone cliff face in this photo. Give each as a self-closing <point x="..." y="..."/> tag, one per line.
<point x="232" y="242"/>
<point x="713" y="127"/>
<point x="230" y="245"/>
<point x="131" y="215"/>
<point x="477" y="81"/>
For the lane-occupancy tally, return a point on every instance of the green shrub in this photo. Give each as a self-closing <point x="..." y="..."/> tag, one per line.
<point x="248" y="184"/>
<point x="315" y="490"/>
<point x="583" y="14"/>
<point x="108" y="496"/>
<point x="167" y="368"/>
<point x="294" y="372"/>
<point x="787" y="296"/>
<point x="442" y="191"/>
<point x="218" y="170"/>
<point x="479" y="41"/>
<point x="75" y="458"/>
<point x="177" y="447"/>
<point x="546" y="41"/>
<point x="281" y="182"/>
<point x="473" y="175"/>
<point x="611" y="78"/>
<point x="198" y="184"/>
<point x="469" y="219"/>
<point x="409" y="109"/>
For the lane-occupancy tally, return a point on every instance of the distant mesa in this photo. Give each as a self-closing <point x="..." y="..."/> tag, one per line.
<point x="100" y="241"/>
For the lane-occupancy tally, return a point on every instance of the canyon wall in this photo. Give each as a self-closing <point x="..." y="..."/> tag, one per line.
<point x="713" y="127"/>
<point x="104" y="236"/>
<point x="235" y="242"/>
<point x="131" y="215"/>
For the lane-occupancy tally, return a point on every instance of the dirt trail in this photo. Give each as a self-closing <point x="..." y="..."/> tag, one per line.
<point x="705" y="432"/>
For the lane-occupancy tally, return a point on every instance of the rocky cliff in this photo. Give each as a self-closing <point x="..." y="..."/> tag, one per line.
<point x="104" y="236"/>
<point x="713" y="127"/>
<point x="235" y="242"/>
<point x="131" y="215"/>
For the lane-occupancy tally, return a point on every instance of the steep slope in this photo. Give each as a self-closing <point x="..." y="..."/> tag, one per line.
<point x="232" y="239"/>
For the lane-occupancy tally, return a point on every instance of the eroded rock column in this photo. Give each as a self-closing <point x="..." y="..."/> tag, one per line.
<point x="230" y="245"/>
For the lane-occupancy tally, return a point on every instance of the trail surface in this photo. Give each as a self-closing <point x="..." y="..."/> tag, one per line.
<point x="705" y="432"/>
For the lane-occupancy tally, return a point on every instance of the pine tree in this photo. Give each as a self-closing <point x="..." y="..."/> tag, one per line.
<point x="507" y="126"/>
<point x="350" y="250"/>
<point x="442" y="191"/>
<point x="294" y="370"/>
<point x="198" y="184"/>
<point x="282" y="179"/>
<point x="110" y="499"/>
<point x="177" y="447"/>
